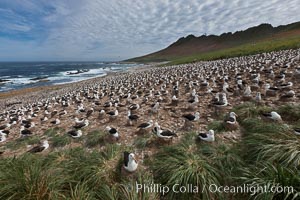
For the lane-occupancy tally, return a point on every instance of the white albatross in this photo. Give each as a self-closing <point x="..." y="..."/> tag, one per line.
<point x="208" y="137"/>
<point x="130" y="164"/>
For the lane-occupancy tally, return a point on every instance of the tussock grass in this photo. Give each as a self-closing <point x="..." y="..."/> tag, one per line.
<point x="217" y="126"/>
<point x="60" y="140"/>
<point x="30" y="177"/>
<point x="290" y="113"/>
<point x="129" y="190"/>
<point x="94" y="138"/>
<point x="268" y="174"/>
<point x="94" y="166"/>
<point x="183" y="164"/>
<point x="250" y="110"/>
<point x="22" y="142"/>
<point x="52" y="131"/>
<point x="282" y="147"/>
<point x="81" y="191"/>
<point x="227" y="159"/>
<point x="108" y="192"/>
<point x="144" y="141"/>
<point x="255" y="125"/>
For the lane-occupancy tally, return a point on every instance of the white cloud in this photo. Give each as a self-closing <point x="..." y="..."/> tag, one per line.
<point x="11" y="21"/>
<point x="118" y="29"/>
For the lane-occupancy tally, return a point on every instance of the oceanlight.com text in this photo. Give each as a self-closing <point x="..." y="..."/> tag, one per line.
<point x="251" y="189"/>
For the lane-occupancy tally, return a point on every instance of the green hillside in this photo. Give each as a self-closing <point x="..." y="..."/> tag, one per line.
<point x="262" y="38"/>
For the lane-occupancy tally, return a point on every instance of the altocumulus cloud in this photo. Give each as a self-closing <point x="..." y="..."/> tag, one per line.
<point x="119" y="29"/>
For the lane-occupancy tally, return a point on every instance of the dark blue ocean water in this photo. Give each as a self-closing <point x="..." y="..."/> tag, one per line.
<point x="19" y="74"/>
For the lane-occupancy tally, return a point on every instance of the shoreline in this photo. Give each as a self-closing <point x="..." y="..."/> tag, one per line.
<point x="32" y="94"/>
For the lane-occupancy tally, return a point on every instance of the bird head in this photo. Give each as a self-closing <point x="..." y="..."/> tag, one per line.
<point x="3" y="134"/>
<point x="291" y="92"/>
<point x="132" y="157"/>
<point x="45" y="142"/>
<point x="156" y="125"/>
<point x="232" y="114"/>
<point x="276" y="116"/>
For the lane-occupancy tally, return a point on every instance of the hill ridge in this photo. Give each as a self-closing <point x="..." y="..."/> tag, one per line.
<point x="192" y="45"/>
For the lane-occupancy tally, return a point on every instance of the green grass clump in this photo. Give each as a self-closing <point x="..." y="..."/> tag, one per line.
<point x="267" y="174"/>
<point x="144" y="141"/>
<point x="183" y="164"/>
<point x="256" y="125"/>
<point x="22" y="142"/>
<point x="129" y="190"/>
<point x="93" y="166"/>
<point x="217" y="126"/>
<point x="52" y="131"/>
<point x="290" y="113"/>
<point x="109" y="192"/>
<point x="30" y="177"/>
<point x="81" y="191"/>
<point x="283" y="148"/>
<point x="94" y="138"/>
<point x="250" y="110"/>
<point x="60" y="140"/>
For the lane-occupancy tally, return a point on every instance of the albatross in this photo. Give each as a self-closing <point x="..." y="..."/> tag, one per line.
<point x="113" y="132"/>
<point x="132" y="117"/>
<point x="75" y="133"/>
<point x="273" y="116"/>
<point x="232" y="118"/>
<point x="2" y="137"/>
<point x="297" y="131"/>
<point x="40" y="148"/>
<point x="230" y="122"/>
<point x="82" y="124"/>
<point x="55" y="122"/>
<point x="130" y="164"/>
<point x="25" y="132"/>
<point x="208" y="137"/>
<point x="146" y="125"/>
<point x="165" y="133"/>
<point x="191" y="117"/>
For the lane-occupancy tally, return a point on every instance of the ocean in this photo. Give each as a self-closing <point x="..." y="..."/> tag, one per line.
<point x="18" y="75"/>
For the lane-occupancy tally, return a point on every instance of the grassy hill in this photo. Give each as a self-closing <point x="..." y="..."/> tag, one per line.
<point x="262" y="38"/>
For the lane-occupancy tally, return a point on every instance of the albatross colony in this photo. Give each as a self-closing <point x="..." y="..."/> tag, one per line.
<point x="160" y="95"/>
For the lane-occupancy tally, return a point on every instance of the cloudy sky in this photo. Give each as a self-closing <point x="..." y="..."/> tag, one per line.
<point x="35" y="30"/>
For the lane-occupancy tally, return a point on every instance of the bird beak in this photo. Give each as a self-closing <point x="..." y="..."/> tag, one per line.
<point x="134" y="159"/>
<point x="236" y="115"/>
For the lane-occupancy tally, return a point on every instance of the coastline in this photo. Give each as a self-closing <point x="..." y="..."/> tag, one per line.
<point x="28" y="95"/>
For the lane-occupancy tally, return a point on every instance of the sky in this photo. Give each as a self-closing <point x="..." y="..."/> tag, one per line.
<point x="112" y="30"/>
